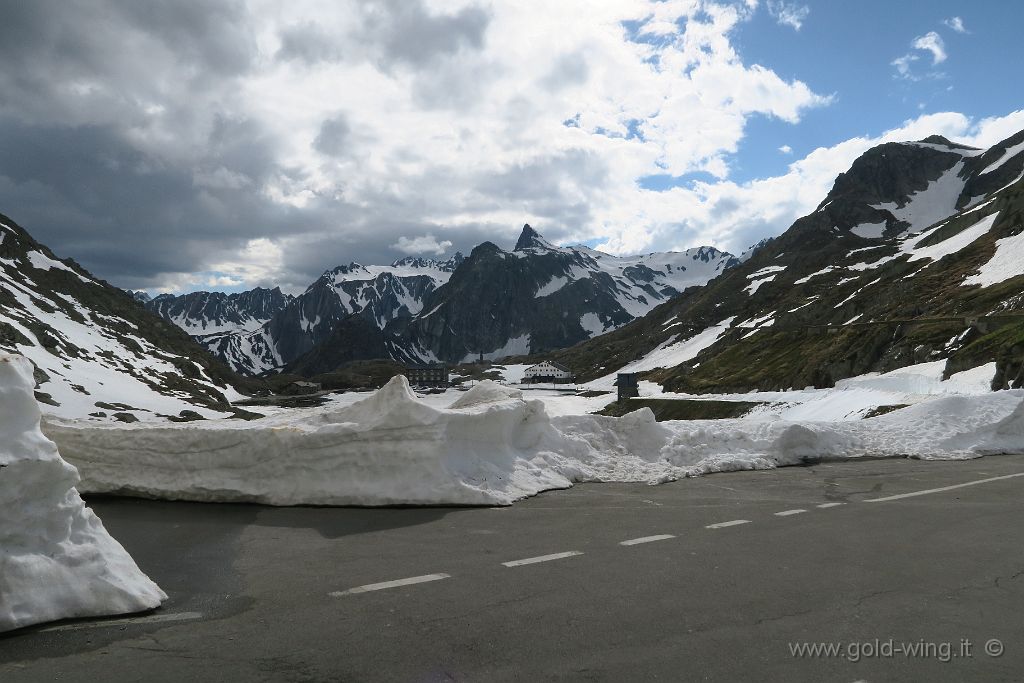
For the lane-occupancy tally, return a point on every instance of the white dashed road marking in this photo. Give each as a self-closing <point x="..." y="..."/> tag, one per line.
<point x="137" y="621"/>
<point x="647" y="539"/>
<point x="542" y="558"/>
<point x="390" y="584"/>
<point x="944" y="488"/>
<point x="722" y="525"/>
<point x="533" y="560"/>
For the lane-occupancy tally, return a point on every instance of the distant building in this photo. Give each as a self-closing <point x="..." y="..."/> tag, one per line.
<point x="427" y="375"/>
<point x="547" y="371"/>
<point x="628" y="384"/>
<point x="301" y="387"/>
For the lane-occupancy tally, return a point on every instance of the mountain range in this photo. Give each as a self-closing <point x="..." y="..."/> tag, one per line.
<point x="915" y="256"/>
<point x="493" y="303"/>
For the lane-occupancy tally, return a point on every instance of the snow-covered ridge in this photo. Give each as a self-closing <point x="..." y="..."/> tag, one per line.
<point x="56" y="559"/>
<point x="641" y="282"/>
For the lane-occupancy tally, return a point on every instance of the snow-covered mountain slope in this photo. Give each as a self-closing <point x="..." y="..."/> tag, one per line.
<point x="95" y="349"/>
<point x="57" y="560"/>
<point x="916" y="255"/>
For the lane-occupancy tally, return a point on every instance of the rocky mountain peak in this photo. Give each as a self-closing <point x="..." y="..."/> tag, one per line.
<point x="706" y="254"/>
<point x="531" y="239"/>
<point x="485" y="248"/>
<point x="945" y="142"/>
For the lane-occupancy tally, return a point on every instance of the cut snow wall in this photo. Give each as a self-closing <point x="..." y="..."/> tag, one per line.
<point x="56" y="559"/>
<point x="492" y="447"/>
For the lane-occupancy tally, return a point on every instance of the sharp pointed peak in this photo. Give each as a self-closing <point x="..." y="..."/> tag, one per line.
<point x="531" y="239"/>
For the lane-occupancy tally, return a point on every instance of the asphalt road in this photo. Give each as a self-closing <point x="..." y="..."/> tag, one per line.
<point x="443" y="594"/>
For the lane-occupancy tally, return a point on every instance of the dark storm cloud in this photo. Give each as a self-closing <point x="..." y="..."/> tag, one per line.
<point x="407" y="32"/>
<point x="309" y="43"/>
<point x="546" y="178"/>
<point x="390" y="33"/>
<point x="121" y="50"/>
<point x="88" y="194"/>
<point x="123" y="146"/>
<point x="333" y="137"/>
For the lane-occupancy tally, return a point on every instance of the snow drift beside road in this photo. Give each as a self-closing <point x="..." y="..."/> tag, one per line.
<point x="492" y="447"/>
<point x="56" y="559"/>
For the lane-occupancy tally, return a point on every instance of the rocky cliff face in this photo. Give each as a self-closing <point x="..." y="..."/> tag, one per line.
<point x="911" y="247"/>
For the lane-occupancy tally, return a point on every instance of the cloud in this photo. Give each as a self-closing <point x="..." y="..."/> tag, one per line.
<point x="407" y="32"/>
<point x="931" y="42"/>
<point x="333" y="137"/>
<point x="222" y="281"/>
<point x="309" y="43"/>
<point x="423" y="244"/>
<point x="732" y="216"/>
<point x="786" y="149"/>
<point x="179" y="144"/>
<point x="788" y="13"/>
<point x="957" y="24"/>
<point x="903" y="64"/>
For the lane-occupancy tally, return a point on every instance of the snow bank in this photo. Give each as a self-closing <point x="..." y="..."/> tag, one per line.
<point x="492" y="447"/>
<point x="56" y="559"/>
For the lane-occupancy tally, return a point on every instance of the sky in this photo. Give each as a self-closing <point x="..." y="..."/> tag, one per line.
<point x="179" y="145"/>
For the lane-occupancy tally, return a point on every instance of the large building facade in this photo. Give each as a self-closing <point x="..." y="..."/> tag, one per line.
<point x="427" y="375"/>
<point x="547" y="371"/>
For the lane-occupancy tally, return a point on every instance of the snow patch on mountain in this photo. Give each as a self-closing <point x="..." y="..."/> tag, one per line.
<point x="41" y="261"/>
<point x="1006" y="263"/>
<point x="1009" y="154"/>
<point x="931" y="205"/>
<point x="673" y="351"/>
<point x="592" y="323"/>
<point x="871" y="231"/>
<point x="951" y="245"/>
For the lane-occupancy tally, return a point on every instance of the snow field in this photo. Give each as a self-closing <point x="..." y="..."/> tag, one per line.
<point x="56" y="559"/>
<point x="1006" y="263"/>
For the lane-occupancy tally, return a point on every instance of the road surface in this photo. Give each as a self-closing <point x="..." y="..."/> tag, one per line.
<point x="720" y="578"/>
